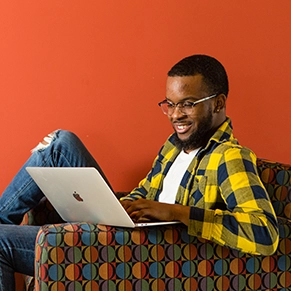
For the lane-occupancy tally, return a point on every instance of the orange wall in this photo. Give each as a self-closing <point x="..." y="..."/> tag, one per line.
<point x="98" y="68"/>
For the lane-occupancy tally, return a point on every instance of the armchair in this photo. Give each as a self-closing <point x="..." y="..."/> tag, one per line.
<point x="83" y="256"/>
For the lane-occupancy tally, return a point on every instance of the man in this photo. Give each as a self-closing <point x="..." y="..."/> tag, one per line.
<point x="201" y="176"/>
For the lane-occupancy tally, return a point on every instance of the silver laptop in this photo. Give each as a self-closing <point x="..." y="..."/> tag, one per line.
<point x="82" y="195"/>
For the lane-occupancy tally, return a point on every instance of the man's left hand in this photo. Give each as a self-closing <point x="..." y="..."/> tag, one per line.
<point x="142" y="209"/>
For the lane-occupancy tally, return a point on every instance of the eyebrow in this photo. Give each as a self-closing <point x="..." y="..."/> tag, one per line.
<point x="188" y="98"/>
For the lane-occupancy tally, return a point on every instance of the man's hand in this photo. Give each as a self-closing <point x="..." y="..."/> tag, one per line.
<point x="142" y="209"/>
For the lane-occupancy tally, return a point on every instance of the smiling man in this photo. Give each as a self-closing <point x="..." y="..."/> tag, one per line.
<point x="201" y="176"/>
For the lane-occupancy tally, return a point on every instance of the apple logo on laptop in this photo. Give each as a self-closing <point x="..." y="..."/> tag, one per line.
<point x="77" y="197"/>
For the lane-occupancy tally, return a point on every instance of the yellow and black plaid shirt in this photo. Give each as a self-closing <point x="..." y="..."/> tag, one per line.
<point x="230" y="205"/>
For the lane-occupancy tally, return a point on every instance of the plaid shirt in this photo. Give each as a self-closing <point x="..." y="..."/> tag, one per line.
<point x="229" y="204"/>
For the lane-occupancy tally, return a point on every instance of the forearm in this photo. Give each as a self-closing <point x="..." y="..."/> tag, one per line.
<point x="248" y="232"/>
<point x="181" y="213"/>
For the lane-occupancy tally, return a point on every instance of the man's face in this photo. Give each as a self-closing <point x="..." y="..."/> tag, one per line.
<point x="192" y="131"/>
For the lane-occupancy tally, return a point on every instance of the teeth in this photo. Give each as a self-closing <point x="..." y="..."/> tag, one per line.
<point x="181" y="126"/>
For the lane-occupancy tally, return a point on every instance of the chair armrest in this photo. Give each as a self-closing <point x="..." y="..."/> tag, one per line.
<point x="153" y="258"/>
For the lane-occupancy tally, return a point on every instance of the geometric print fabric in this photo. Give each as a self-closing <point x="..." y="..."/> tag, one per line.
<point x="83" y="256"/>
<point x="158" y="258"/>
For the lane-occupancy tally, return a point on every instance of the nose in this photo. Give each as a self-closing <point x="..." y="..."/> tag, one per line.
<point x="177" y="113"/>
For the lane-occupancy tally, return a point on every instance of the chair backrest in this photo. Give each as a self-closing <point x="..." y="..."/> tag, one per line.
<point x="43" y="213"/>
<point x="276" y="178"/>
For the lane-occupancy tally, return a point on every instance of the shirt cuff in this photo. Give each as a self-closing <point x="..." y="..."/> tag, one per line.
<point x="201" y="222"/>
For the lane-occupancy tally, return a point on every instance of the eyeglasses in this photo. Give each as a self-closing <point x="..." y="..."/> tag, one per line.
<point x="185" y="107"/>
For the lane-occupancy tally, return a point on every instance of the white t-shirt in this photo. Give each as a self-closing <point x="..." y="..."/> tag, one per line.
<point x="174" y="176"/>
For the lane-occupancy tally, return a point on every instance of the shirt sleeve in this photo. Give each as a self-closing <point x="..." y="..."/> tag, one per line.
<point x="249" y="223"/>
<point x="138" y="192"/>
<point x="150" y="185"/>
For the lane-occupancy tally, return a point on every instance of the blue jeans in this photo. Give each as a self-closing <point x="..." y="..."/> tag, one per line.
<point x="22" y="194"/>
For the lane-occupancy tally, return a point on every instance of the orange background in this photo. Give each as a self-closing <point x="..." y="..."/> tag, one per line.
<point x="98" y="68"/>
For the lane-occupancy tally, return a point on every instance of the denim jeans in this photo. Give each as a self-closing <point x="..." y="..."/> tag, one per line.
<point x="17" y="242"/>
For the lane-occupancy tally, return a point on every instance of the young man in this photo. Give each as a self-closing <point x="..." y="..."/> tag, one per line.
<point x="201" y="176"/>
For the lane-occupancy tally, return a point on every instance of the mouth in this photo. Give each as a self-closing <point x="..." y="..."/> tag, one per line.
<point x="181" y="128"/>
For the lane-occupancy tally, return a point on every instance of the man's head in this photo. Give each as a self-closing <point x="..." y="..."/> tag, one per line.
<point x="191" y="80"/>
<point x="212" y="71"/>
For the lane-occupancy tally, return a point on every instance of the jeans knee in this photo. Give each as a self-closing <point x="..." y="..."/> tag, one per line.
<point x="66" y="137"/>
<point x="45" y="142"/>
<point x="56" y="136"/>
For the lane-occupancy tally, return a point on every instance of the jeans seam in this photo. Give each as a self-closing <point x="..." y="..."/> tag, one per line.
<point x="15" y="197"/>
<point x="10" y="201"/>
<point x="45" y="163"/>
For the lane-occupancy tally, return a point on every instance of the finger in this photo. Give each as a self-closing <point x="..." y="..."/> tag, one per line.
<point x="134" y="206"/>
<point x="126" y="203"/>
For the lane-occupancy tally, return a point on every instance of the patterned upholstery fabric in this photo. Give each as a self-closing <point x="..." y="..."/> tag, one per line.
<point x="277" y="180"/>
<point x="29" y="283"/>
<point x="82" y="256"/>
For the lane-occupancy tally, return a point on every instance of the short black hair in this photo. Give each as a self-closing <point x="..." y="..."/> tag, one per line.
<point x="212" y="71"/>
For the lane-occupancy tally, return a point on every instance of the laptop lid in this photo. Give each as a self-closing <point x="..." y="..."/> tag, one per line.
<point x="81" y="194"/>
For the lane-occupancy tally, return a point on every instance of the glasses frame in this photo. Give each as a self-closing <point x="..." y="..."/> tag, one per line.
<point x="180" y="108"/>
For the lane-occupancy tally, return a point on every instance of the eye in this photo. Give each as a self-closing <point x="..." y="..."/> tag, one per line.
<point x="187" y="105"/>
<point x="170" y="105"/>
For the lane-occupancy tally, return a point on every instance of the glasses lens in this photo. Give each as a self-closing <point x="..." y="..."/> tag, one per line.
<point x="166" y="107"/>
<point x="187" y="108"/>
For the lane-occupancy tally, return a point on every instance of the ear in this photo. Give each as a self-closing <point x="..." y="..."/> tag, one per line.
<point x="220" y="102"/>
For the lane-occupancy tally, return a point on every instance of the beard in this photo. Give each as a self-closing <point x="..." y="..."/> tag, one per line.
<point x="199" y="137"/>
